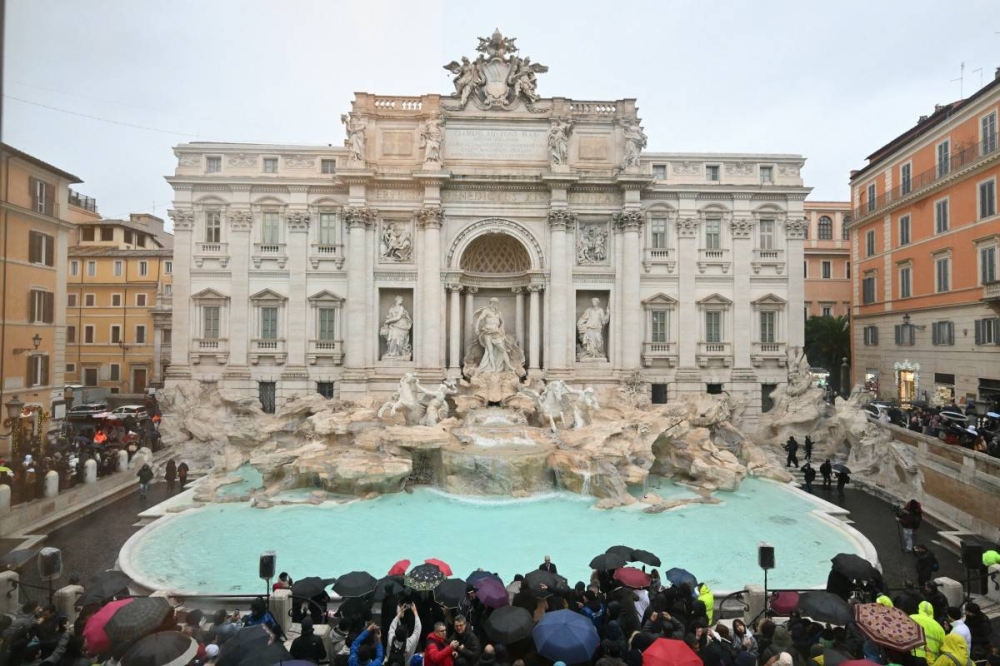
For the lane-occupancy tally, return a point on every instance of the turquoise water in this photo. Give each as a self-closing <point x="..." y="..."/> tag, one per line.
<point x="251" y="479"/>
<point x="215" y="549"/>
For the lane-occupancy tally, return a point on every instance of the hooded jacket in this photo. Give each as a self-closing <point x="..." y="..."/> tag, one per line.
<point x="437" y="652"/>
<point x="411" y="641"/>
<point x="705" y="596"/>
<point x="782" y="642"/>
<point x="933" y="633"/>
<point x="953" y="652"/>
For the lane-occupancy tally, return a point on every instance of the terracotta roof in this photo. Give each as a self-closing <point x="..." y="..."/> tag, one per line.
<point x="105" y="251"/>
<point x="7" y="148"/>
<point x="127" y="224"/>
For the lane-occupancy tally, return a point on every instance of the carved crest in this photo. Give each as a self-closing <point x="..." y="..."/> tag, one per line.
<point x="497" y="79"/>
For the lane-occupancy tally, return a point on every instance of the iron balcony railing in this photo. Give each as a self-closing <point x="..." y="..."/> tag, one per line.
<point x="960" y="158"/>
<point x="82" y="201"/>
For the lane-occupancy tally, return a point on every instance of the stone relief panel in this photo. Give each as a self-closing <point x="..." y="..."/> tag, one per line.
<point x="592" y="244"/>
<point x="396" y="143"/>
<point x="300" y="162"/>
<point x="594" y="147"/>
<point x="242" y="161"/>
<point x="189" y="160"/>
<point x="742" y="169"/>
<point x="396" y="242"/>
<point x="686" y="168"/>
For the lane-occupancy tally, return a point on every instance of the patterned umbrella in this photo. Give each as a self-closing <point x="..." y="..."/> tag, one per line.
<point x="93" y="631"/>
<point x="139" y="618"/>
<point x="889" y="627"/>
<point x="424" y="577"/>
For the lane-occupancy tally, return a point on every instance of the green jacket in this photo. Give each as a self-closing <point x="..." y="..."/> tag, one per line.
<point x="705" y="595"/>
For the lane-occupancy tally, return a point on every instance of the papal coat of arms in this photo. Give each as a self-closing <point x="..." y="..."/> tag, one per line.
<point x="498" y="78"/>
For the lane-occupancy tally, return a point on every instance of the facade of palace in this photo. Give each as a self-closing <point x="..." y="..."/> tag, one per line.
<point x="340" y="269"/>
<point x="827" y="267"/>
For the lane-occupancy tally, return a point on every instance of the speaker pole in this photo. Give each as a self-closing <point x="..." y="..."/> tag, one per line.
<point x="767" y="598"/>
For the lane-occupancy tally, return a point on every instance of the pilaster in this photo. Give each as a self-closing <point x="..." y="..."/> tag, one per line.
<point x="429" y="274"/>
<point x="240" y="228"/>
<point x="297" y="222"/>
<point x="358" y="220"/>
<point x="687" y="309"/>
<point x="742" y="229"/>
<point x="630" y="222"/>
<point x="795" y="230"/>
<point x="183" y="227"/>
<point x="563" y="301"/>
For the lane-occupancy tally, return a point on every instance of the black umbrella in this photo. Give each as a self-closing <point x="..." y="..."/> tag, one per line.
<point x="825" y="607"/>
<point x="16" y="559"/>
<point x="908" y="601"/>
<point x="450" y="592"/>
<point x="424" y="577"/>
<point x="137" y="619"/>
<point x="841" y="467"/>
<point x="164" y="648"/>
<point x="355" y="584"/>
<point x="646" y="557"/>
<point x="312" y="586"/>
<point x="104" y="585"/>
<point x="536" y="579"/>
<point x="509" y="624"/>
<point x="270" y="656"/>
<point x="855" y="567"/>
<point x="388" y="586"/>
<point x="627" y="553"/>
<point x="245" y="643"/>
<point x="477" y="576"/>
<point x="607" y="561"/>
<point x="678" y="577"/>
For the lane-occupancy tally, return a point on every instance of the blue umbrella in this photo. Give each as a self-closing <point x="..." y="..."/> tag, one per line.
<point x="678" y="577"/>
<point x="567" y="636"/>
<point x="477" y="576"/>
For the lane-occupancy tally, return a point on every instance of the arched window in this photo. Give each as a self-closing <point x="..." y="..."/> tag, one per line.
<point x="845" y="232"/>
<point x="825" y="228"/>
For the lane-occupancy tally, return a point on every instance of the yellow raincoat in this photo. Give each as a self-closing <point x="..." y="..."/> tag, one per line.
<point x="933" y="633"/>
<point x="705" y="595"/>
<point x="954" y="652"/>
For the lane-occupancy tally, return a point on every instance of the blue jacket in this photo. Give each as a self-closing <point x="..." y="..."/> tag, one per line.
<point x="597" y="617"/>
<point x="353" y="659"/>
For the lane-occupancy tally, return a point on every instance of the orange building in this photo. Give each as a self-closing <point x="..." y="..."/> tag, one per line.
<point x="34" y="236"/>
<point x="925" y="243"/>
<point x="827" y="254"/>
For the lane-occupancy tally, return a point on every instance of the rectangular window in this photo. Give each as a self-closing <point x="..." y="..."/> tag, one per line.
<point x="712" y="173"/>
<point x="270" y="165"/>
<point x="943" y="333"/>
<point x="827" y="270"/>
<point x="143" y="268"/>
<point x="847" y="270"/>
<point x="140" y="335"/>
<point x="905" y="282"/>
<point x="89" y="300"/>
<point x="167" y="336"/>
<point x="117" y="270"/>
<point x="871" y="197"/>
<point x="943" y="158"/>
<point x="71" y="334"/>
<point x="659" y="232"/>
<point x="905" y="178"/>
<point x="827" y="311"/>
<point x="327" y="228"/>
<point x="88" y="334"/>
<point x="71" y="300"/>
<point x="41" y="249"/>
<point x="116" y="372"/>
<point x="116" y="333"/>
<point x="988" y="127"/>
<point x="767" y="234"/>
<point x="904" y="230"/>
<point x="129" y="237"/>
<point x="325" y="389"/>
<point x="328" y="166"/>
<point x="766" y="175"/>
<point x="41" y="307"/>
<point x="659" y="323"/>
<point x="988" y="331"/>
<point x="42" y="196"/>
<point x="988" y="264"/>
<point x="210" y="322"/>
<point x="91" y="268"/>
<point x="168" y="268"/>
<point x="213" y="226"/>
<point x="942" y="271"/>
<point x="767" y="326"/>
<point x="116" y="300"/>
<point x="660" y="171"/>
<point x="904" y="334"/>
<point x="713" y="234"/>
<point x="845" y="229"/>
<point x="868" y="290"/>
<point x="74" y="268"/>
<point x="168" y="289"/>
<point x="90" y="376"/>
<point x="87" y="234"/>
<point x="870" y="243"/>
<point x="327" y="317"/>
<point x="987" y="199"/>
<point x="713" y="326"/>
<point x="269" y="323"/>
<point x="269" y="230"/>
<point x="140" y="300"/>
<point x="213" y="164"/>
<point x="38" y="370"/>
<point x="107" y="233"/>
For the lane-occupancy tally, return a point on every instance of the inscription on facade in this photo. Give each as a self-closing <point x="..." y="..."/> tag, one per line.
<point x="395" y="195"/>
<point x="520" y="145"/>
<point x="595" y="148"/>
<point x="503" y="196"/>
<point x="397" y="144"/>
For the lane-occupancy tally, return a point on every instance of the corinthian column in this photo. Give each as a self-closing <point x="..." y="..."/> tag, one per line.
<point x="358" y="221"/>
<point x="534" y="332"/>
<point x="240" y="226"/>
<point x="562" y="300"/>
<point x="795" y="233"/>
<point x="181" y="324"/>
<point x="629" y="222"/>
<point x="519" y="315"/>
<point x="429" y="273"/>
<point x="455" y="331"/>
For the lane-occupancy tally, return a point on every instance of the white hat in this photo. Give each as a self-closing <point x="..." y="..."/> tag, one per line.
<point x="211" y="650"/>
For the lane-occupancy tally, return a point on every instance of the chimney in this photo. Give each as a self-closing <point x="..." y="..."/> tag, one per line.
<point x="921" y="119"/>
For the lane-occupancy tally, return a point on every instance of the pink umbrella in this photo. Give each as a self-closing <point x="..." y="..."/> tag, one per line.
<point x="399" y="568"/>
<point x="632" y="577"/>
<point x="93" y="632"/>
<point x="443" y="566"/>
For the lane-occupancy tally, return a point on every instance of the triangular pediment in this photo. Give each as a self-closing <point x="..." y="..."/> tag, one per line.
<point x="325" y="296"/>
<point x="715" y="299"/>
<point x="770" y="299"/>
<point x="659" y="299"/>
<point x="268" y="295"/>
<point x="209" y="294"/>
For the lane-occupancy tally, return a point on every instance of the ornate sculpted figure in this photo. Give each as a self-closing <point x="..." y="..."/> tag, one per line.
<point x="522" y="77"/>
<point x="396" y="331"/>
<point x="635" y="141"/>
<point x="406" y="399"/>
<point x="355" y="136"/>
<point x="559" y="141"/>
<point x="584" y="406"/>
<point x="551" y="402"/>
<point x="467" y="77"/>
<point x="437" y="407"/>
<point x="590" y="330"/>
<point x="491" y="335"/>
<point x="592" y="246"/>
<point x="396" y="243"/>
<point x="430" y="140"/>
<point x="498" y="78"/>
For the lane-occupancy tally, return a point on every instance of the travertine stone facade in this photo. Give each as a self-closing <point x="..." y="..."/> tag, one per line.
<point x="448" y="202"/>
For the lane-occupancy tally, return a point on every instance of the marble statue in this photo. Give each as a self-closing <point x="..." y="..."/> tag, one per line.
<point x="497" y="78"/>
<point x="590" y="330"/>
<point x="467" y="78"/>
<point x="406" y="399"/>
<point x="523" y="78"/>
<point x="355" y="136"/>
<point x="493" y="338"/>
<point x="396" y="331"/>
<point x="559" y="141"/>
<point x="436" y="409"/>
<point x="635" y="141"/>
<point x="592" y="246"/>
<point x="584" y="407"/>
<point x="551" y="402"/>
<point x="430" y="140"/>
<point x="396" y="243"/>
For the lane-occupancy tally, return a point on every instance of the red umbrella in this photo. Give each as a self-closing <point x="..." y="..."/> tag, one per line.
<point x="443" y="566"/>
<point x="669" y="652"/>
<point x="632" y="577"/>
<point x="93" y="632"/>
<point x="783" y="603"/>
<point x="399" y="568"/>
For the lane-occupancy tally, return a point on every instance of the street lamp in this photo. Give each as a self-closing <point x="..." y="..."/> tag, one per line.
<point x="68" y="398"/>
<point x="35" y="340"/>
<point x="13" y="422"/>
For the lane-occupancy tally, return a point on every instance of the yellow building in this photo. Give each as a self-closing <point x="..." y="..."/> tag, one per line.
<point x="118" y="304"/>
<point x="34" y="237"/>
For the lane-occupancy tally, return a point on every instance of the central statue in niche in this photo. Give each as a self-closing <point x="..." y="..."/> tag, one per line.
<point x="494" y="362"/>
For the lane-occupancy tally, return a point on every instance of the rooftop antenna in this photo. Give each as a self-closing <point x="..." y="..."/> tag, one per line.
<point x="980" y="70"/>
<point x="961" y="81"/>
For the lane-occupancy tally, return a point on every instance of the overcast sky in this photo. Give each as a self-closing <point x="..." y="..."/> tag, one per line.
<point x="832" y="81"/>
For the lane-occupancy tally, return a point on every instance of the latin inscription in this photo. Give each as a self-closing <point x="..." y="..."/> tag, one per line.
<point x="504" y="196"/>
<point x="499" y="145"/>
<point x="397" y="144"/>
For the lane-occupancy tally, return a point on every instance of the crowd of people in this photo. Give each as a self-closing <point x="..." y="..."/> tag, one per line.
<point x="958" y="426"/>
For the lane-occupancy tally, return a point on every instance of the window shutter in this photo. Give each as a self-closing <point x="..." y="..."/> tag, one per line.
<point x="50" y="199"/>
<point x="29" y="373"/>
<point x="31" y="306"/>
<point x="33" y="191"/>
<point x="34" y="254"/>
<point x="875" y="334"/>
<point x="996" y="330"/>
<point x="48" y="316"/>
<point x="899" y="334"/>
<point x="950" y="333"/>
<point x="979" y="331"/>
<point x="50" y="252"/>
<point x="44" y="379"/>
